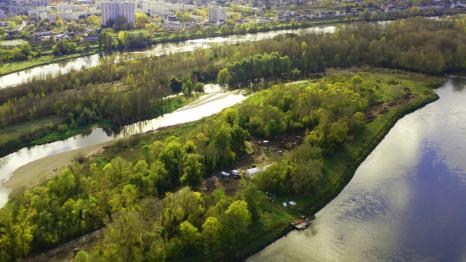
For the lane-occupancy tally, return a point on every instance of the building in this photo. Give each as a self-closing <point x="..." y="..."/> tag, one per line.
<point x="112" y="10"/>
<point x="2" y="14"/>
<point x="217" y="15"/>
<point x="158" y="8"/>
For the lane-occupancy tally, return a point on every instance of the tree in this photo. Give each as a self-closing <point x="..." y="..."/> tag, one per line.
<point x="305" y="175"/>
<point x="123" y="238"/>
<point x="82" y="256"/>
<point x="211" y="233"/>
<point x="192" y="170"/>
<point x="141" y="20"/>
<point x="63" y="47"/>
<point x="189" y="237"/>
<point x="187" y="87"/>
<point x="224" y="76"/>
<point x="172" y="157"/>
<point x="275" y="179"/>
<point x="236" y="221"/>
<point x="107" y="41"/>
<point x="94" y="20"/>
<point x="231" y="116"/>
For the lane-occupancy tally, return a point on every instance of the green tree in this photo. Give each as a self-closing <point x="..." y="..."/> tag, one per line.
<point x="211" y="233"/>
<point x="236" y="221"/>
<point x="123" y="238"/>
<point x="189" y="237"/>
<point x="192" y="170"/>
<point x="224" y="77"/>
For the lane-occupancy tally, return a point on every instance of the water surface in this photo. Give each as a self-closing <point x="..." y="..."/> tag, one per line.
<point x="89" y="61"/>
<point x="406" y="201"/>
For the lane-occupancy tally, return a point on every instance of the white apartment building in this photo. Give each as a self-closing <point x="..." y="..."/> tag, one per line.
<point x="217" y="15"/>
<point x="112" y="10"/>
<point x="163" y="8"/>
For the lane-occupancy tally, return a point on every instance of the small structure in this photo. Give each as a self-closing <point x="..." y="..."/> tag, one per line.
<point x="302" y="224"/>
<point x="223" y="174"/>
<point x="235" y="173"/>
<point x="252" y="171"/>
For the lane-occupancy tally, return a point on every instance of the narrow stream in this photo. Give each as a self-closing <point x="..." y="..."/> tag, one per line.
<point x="406" y="201"/>
<point x="213" y="102"/>
<point x="89" y="61"/>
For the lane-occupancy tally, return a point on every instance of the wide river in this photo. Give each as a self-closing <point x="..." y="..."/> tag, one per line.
<point x="407" y="200"/>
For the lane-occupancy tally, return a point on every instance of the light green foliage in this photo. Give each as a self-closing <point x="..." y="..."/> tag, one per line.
<point x="211" y="233"/>
<point x="192" y="170"/>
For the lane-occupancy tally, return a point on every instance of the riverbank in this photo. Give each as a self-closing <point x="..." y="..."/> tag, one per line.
<point x="8" y="68"/>
<point x="41" y="170"/>
<point x="48" y="130"/>
<point x="276" y="220"/>
<point x="340" y="168"/>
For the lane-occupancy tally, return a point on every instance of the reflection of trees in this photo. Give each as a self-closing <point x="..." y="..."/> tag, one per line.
<point x="459" y="84"/>
<point x="86" y="132"/>
<point x="112" y="130"/>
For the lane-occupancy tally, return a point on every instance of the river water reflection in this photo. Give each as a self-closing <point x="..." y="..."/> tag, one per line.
<point x="55" y="69"/>
<point x="407" y="200"/>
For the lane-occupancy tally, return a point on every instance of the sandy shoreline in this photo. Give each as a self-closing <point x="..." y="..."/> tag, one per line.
<point x="46" y="168"/>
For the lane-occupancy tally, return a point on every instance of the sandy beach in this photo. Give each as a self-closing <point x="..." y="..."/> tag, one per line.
<point x="45" y="168"/>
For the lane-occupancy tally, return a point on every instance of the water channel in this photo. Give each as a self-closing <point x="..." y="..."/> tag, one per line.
<point x="89" y="61"/>
<point x="213" y="102"/>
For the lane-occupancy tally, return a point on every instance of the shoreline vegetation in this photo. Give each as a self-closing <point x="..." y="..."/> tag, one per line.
<point x="14" y="67"/>
<point x="275" y="220"/>
<point x="51" y="129"/>
<point x="108" y="93"/>
<point x="157" y="194"/>
<point x="271" y="220"/>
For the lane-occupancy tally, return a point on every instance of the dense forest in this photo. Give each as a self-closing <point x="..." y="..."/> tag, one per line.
<point x="146" y="218"/>
<point x="145" y="222"/>
<point x="417" y="44"/>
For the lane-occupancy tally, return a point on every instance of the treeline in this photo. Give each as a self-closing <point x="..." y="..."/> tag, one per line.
<point x="416" y="44"/>
<point x="124" y="192"/>
<point x="110" y="40"/>
<point x="255" y="68"/>
<point x="119" y="93"/>
<point x="20" y="53"/>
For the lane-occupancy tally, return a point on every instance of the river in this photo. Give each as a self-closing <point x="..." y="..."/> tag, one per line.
<point x="89" y="61"/>
<point x="213" y="102"/>
<point x="406" y="201"/>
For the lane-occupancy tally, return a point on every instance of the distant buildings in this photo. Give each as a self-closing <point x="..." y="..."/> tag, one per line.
<point x="2" y="14"/>
<point x="112" y="10"/>
<point x="217" y="15"/>
<point x="163" y="9"/>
